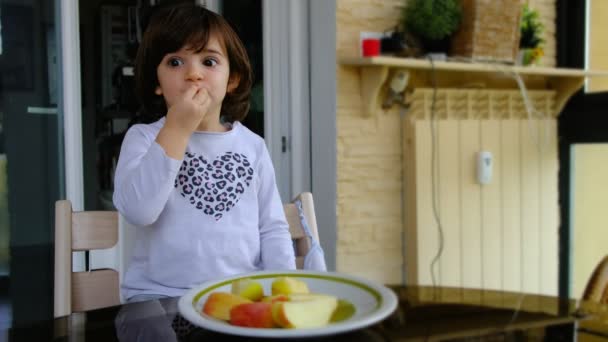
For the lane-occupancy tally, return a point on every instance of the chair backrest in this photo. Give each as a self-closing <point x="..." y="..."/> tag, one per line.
<point x="83" y="231"/>
<point x="302" y="243"/>
<point x="90" y="230"/>
<point x="597" y="286"/>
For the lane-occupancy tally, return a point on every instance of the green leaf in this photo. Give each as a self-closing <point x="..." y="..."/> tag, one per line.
<point x="432" y="19"/>
<point x="531" y="28"/>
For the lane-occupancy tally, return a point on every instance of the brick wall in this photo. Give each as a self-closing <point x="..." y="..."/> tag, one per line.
<point x="369" y="158"/>
<point x="369" y="161"/>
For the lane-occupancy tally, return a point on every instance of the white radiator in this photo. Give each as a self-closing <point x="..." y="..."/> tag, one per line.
<point x="498" y="236"/>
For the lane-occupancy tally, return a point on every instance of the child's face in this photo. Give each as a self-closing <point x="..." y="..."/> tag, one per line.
<point x="207" y="69"/>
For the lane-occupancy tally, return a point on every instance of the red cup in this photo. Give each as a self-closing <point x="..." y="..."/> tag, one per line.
<point x="371" y="47"/>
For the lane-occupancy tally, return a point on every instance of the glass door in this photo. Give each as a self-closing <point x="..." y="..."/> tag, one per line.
<point x="31" y="157"/>
<point x="583" y="144"/>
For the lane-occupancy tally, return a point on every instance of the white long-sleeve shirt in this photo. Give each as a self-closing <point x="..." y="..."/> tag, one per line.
<point x="215" y="213"/>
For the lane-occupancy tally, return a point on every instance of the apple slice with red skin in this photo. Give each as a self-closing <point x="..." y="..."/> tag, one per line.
<point x="252" y="315"/>
<point x="219" y="304"/>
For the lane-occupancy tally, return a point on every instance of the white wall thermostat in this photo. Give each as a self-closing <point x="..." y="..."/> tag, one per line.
<point x="485" y="163"/>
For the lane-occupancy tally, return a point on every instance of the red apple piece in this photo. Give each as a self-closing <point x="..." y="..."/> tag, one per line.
<point x="253" y="315"/>
<point x="219" y="304"/>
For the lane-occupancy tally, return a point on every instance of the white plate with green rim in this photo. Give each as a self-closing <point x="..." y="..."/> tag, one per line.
<point x="372" y="301"/>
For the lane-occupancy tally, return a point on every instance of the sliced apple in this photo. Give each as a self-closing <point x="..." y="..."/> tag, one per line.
<point x="219" y="304"/>
<point x="275" y="298"/>
<point x="248" y="288"/>
<point x="304" y="311"/>
<point x="253" y="315"/>
<point x="286" y="285"/>
<point x="344" y="311"/>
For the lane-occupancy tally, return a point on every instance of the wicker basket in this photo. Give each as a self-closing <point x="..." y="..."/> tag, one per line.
<point x="489" y="30"/>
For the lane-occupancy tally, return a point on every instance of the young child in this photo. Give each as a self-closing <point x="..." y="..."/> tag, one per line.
<point x="198" y="184"/>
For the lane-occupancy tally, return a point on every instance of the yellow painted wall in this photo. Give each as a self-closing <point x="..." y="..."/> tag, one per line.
<point x="598" y="49"/>
<point x="369" y="215"/>
<point x="589" y="221"/>
<point x="370" y="218"/>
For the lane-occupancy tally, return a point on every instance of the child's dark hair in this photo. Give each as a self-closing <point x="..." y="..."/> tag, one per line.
<point x="172" y="27"/>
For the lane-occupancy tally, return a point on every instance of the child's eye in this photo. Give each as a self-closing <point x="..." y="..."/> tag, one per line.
<point x="210" y="62"/>
<point x="175" y="62"/>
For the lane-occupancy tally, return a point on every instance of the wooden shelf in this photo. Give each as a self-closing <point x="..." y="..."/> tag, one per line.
<point x="422" y="73"/>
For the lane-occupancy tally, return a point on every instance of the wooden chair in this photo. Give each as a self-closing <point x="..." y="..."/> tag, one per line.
<point x="89" y="230"/>
<point x="83" y="231"/>
<point x="597" y="286"/>
<point x="593" y="302"/>
<point x="302" y="243"/>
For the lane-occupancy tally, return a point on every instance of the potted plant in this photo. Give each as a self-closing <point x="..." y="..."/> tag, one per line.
<point x="432" y="22"/>
<point x="531" y="39"/>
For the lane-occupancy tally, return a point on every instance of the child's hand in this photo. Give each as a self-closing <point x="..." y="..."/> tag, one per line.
<point x="188" y="111"/>
<point x="184" y="115"/>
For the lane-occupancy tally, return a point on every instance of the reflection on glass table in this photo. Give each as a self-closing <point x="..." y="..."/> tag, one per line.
<point x="423" y="314"/>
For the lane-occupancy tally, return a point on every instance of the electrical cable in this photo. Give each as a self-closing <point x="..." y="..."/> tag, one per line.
<point x="531" y="110"/>
<point x="403" y="197"/>
<point x="434" y="171"/>
<point x="531" y="113"/>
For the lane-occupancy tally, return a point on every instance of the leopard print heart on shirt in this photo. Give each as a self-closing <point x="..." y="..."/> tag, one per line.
<point x="214" y="186"/>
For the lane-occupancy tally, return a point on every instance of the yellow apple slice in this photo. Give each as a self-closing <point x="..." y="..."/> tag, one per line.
<point x="248" y="288"/>
<point x="345" y="310"/>
<point x="287" y="286"/>
<point x="304" y="311"/>
<point x="276" y="298"/>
